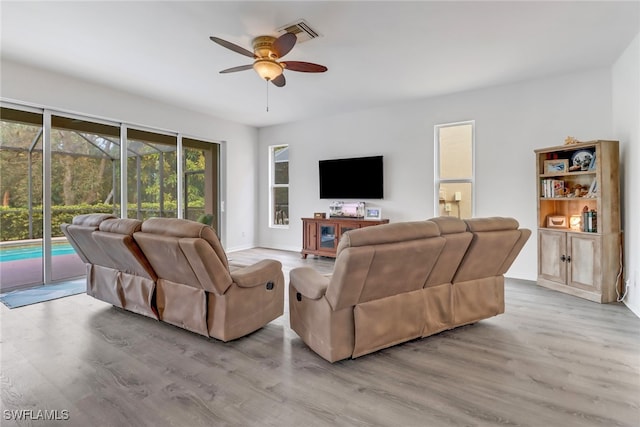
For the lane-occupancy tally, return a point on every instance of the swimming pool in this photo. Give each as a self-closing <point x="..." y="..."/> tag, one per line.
<point x="32" y="250"/>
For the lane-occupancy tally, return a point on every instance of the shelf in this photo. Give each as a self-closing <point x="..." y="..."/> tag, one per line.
<point x="569" y="230"/>
<point x="567" y="174"/>
<point x="567" y="199"/>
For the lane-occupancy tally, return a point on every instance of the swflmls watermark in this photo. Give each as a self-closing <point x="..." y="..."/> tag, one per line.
<point x="35" y="414"/>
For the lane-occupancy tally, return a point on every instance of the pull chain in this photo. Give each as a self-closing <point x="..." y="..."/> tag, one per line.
<point x="267" y="95"/>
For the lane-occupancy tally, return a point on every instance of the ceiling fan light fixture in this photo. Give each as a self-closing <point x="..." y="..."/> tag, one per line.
<point x="267" y="69"/>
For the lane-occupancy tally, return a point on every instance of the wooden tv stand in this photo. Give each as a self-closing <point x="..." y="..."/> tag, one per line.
<point x="320" y="236"/>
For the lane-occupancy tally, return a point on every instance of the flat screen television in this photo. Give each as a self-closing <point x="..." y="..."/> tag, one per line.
<point x="354" y="178"/>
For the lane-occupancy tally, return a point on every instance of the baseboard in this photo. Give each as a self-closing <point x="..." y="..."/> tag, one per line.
<point x="635" y="310"/>
<point x="239" y="248"/>
<point x="284" y="248"/>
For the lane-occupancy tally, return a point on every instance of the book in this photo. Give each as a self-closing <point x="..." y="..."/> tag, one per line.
<point x="552" y="188"/>
<point x="590" y="222"/>
<point x="593" y="189"/>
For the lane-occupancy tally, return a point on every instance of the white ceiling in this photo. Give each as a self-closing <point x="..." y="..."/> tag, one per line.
<point x="377" y="52"/>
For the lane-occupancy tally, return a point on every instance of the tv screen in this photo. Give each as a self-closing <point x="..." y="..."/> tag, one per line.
<point x="355" y="178"/>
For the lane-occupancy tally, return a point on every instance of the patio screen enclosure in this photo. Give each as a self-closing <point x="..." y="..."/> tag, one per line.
<point x="54" y="167"/>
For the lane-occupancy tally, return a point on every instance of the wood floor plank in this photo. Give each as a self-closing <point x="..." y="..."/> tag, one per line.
<point x="550" y="360"/>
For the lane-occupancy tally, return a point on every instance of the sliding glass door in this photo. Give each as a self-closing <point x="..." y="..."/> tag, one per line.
<point x="84" y="160"/>
<point x="57" y="166"/>
<point x="200" y="182"/>
<point x="21" y="190"/>
<point x="152" y="183"/>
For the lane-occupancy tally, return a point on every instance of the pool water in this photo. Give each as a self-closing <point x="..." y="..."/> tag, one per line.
<point x="28" y="251"/>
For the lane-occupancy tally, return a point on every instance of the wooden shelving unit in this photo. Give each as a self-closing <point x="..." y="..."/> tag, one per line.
<point x="579" y="254"/>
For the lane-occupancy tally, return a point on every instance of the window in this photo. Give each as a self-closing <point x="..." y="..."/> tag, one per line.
<point x="279" y="185"/>
<point x="454" y="169"/>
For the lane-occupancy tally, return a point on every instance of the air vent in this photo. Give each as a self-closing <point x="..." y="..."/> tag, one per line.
<point x="301" y="29"/>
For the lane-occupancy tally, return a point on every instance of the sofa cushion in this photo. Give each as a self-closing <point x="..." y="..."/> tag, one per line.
<point x="457" y="238"/>
<point x="491" y="224"/>
<point x="388" y="233"/>
<point x="121" y="226"/>
<point x="175" y="227"/>
<point x="449" y="224"/>
<point x="383" y="260"/>
<point x="90" y="220"/>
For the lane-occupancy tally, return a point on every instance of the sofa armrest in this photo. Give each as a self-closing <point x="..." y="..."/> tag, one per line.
<point x="257" y="274"/>
<point x="309" y="282"/>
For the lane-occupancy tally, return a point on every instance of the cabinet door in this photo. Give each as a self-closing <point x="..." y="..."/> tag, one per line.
<point x="327" y="236"/>
<point x="552" y="256"/>
<point x="310" y="236"/>
<point x="584" y="265"/>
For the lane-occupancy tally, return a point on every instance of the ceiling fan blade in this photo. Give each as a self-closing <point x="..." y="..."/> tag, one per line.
<point x="236" y="69"/>
<point x="233" y="47"/>
<point x="284" y="44"/>
<point x="304" y="67"/>
<point x="279" y="81"/>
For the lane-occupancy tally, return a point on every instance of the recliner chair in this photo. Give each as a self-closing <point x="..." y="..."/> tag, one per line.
<point x="196" y="290"/>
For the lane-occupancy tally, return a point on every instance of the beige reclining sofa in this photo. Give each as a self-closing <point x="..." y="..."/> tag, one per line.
<point x="397" y="282"/>
<point x="176" y="271"/>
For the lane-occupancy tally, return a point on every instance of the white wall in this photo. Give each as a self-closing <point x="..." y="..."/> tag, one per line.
<point x="626" y="128"/>
<point x="511" y="121"/>
<point x="41" y="88"/>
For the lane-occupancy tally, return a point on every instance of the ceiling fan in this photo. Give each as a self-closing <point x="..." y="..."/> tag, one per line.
<point x="267" y="51"/>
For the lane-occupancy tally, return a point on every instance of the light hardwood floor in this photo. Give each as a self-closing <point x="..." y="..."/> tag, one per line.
<point x="550" y="360"/>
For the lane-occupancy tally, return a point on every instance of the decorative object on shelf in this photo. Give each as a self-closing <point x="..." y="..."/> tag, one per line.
<point x="556" y="166"/>
<point x="575" y="222"/>
<point x="557" y="221"/>
<point x="346" y="210"/>
<point x="570" y="140"/>
<point x="581" y="160"/>
<point x="372" y="213"/>
<point x="335" y="209"/>
<point x="319" y="215"/>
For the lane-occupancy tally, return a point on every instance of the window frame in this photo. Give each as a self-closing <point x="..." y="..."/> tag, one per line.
<point x="273" y="186"/>
<point x="436" y="169"/>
